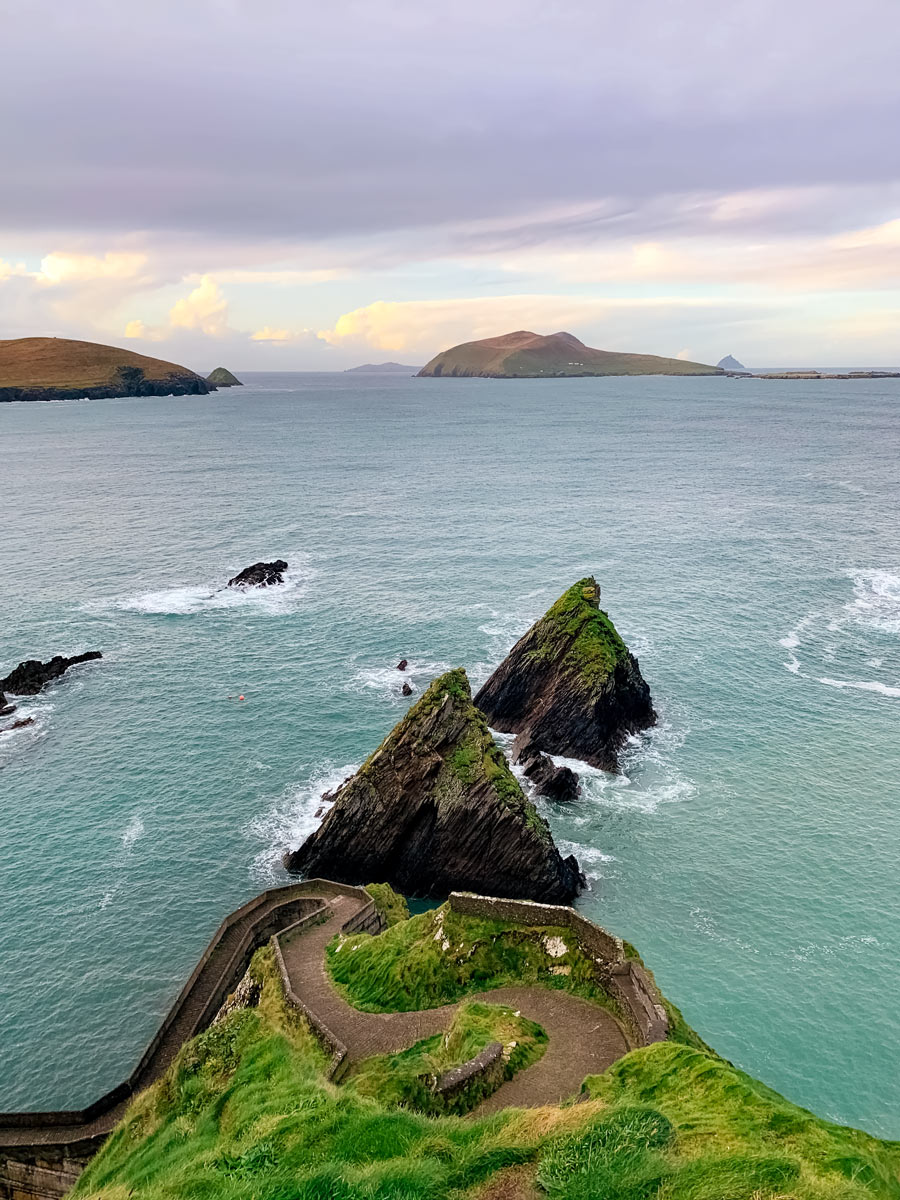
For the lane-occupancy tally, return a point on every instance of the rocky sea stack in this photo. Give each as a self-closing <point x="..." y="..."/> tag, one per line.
<point x="222" y="377"/>
<point x="570" y="686"/>
<point x="31" y="676"/>
<point x="436" y="809"/>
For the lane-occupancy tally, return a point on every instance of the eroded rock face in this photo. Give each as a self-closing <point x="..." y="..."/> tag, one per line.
<point x="31" y="676"/>
<point x="556" y="783"/>
<point x="570" y="686"/>
<point x="436" y="809"/>
<point x="261" y="574"/>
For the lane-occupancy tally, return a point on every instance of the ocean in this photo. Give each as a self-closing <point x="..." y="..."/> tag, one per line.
<point x="746" y="539"/>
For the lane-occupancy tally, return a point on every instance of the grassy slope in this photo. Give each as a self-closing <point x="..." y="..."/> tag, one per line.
<point x="527" y="354"/>
<point x="396" y="1078"/>
<point x="245" y="1114"/>
<point x="597" y="648"/>
<point x="439" y="956"/>
<point x="59" y="362"/>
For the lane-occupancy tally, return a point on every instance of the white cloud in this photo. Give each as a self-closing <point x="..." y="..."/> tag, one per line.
<point x="61" y="267"/>
<point x="267" y="334"/>
<point x="204" y="309"/>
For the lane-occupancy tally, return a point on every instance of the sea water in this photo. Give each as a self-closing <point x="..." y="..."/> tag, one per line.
<point x="745" y="535"/>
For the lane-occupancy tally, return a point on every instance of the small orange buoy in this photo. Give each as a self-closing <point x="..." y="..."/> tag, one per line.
<point x="240" y="697"/>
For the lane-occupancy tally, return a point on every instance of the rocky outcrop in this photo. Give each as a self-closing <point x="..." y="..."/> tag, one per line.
<point x="32" y="676"/>
<point x="261" y="574"/>
<point x="730" y="363"/>
<point x="436" y="809"/>
<point x="547" y="779"/>
<point x="570" y="686"/>
<point x="222" y="377"/>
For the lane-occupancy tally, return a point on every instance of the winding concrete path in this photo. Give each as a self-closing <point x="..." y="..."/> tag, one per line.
<point x="583" y="1039"/>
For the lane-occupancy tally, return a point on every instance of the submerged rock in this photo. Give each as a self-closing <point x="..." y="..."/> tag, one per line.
<point x="32" y="676"/>
<point x="406" y="690"/>
<point x="261" y="574"/>
<point x="570" y="686"/>
<point x="20" y="724"/>
<point x="436" y="809"/>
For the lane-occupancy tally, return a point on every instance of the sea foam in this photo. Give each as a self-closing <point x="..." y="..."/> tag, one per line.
<point x="188" y="599"/>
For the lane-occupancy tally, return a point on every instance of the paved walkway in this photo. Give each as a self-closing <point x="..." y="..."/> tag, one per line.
<point x="583" y="1039"/>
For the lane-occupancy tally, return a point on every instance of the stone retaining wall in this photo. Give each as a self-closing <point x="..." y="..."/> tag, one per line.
<point x="624" y="980"/>
<point x="486" y="1071"/>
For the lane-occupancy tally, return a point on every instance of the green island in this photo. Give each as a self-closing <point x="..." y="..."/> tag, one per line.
<point x="247" y="1110"/>
<point x="527" y="355"/>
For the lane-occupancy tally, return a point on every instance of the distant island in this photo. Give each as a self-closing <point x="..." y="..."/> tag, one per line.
<point x="222" y="377"/>
<point x="42" y="368"/>
<point x="730" y="363"/>
<point x="388" y="368"/>
<point x="525" y="355"/>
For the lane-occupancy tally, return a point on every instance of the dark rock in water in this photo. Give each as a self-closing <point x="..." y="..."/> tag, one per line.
<point x="261" y="574"/>
<point x="20" y="724"/>
<point x="402" y="664"/>
<point x="406" y="690"/>
<point x="436" y="809"/>
<point x="556" y="783"/>
<point x="570" y="685"/>
<point x="32" y="676"/>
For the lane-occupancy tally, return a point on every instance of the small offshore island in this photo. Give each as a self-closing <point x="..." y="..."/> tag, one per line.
<point x="526" y="355"/>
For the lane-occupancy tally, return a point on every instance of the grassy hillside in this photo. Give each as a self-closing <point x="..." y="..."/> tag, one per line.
<point x="245" y="1113"/>
<point x="60" y="363"/>
<point x="530" y="355"/>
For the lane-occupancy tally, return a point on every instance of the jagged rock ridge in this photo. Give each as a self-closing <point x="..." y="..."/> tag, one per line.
<point x="31" y="676"/>
<point x="261" y="574"/>
<point x="436" y="809"/>
<point x="570" y="686"/>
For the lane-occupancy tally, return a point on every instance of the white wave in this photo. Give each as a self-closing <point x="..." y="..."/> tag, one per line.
<point x="387" y="681"/>
<point x="863" y="686"/>
<point x="877" y="600"/>
<point x="856" y="944"/>
<point x="188" y="599"/>
<point x="133" y="831"/>
<point x="296" y="814"/>
<point x="705" y="924"/>
<point x="15" y="741"/>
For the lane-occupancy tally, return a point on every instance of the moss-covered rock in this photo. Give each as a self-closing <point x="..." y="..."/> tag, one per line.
<point x="570" y="686"/>
<point x="436" y="809"/>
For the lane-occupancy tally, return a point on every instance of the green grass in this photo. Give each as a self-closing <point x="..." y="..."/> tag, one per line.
<point x="406" y="1078"/>
<point x="245" y="1113"/>
<point x="390" y="904"/>
<point x="441" y="956"/>
<point x="595" y="648"/>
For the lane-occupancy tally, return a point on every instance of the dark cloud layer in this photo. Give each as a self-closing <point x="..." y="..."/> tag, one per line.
<point x="291" y="120"/>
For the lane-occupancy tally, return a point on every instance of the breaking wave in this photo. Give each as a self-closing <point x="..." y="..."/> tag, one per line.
<point x="296" y="814"/>
<point x="387" y="681"/>
<point x="188" y="599"/>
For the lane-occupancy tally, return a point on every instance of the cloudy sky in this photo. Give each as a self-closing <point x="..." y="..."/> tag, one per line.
<point x="289" y="184"/>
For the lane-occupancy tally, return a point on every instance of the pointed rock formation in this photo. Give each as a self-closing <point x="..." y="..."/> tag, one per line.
<point x="570" y="686"/>
<point x="436" y="809"/>
<point x="31" y="676"/>
<point x="222" y="377"/>
<point x="730" y="363"/>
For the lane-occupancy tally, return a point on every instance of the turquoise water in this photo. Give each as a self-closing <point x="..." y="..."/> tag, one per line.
<point x="746" y="537"/>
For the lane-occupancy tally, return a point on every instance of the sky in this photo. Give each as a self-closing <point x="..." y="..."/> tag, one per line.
<point x="289" y="185"/>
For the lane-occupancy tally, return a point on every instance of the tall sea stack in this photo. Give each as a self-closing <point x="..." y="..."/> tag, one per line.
<point x="436" y="809"/>
<point x="570" y="686"/>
